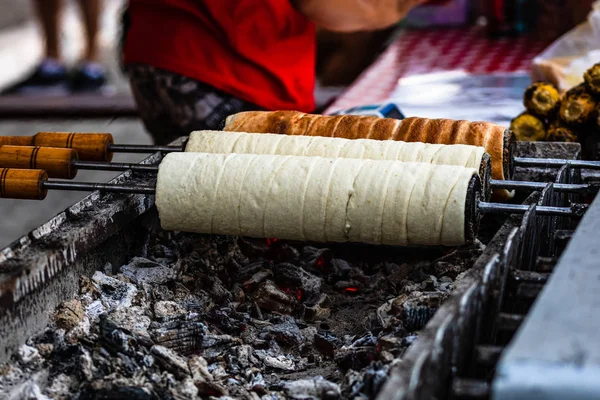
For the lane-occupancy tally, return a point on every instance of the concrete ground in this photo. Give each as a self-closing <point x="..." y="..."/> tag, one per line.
<point x="20" y="49"/>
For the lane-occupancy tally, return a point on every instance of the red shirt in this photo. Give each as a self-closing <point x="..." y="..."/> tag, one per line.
<point x="262" y="51"/>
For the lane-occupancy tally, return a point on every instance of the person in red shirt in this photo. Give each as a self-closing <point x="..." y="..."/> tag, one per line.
<point x="191" y="63"/>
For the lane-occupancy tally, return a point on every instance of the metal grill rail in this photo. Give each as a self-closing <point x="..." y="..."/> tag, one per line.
<point x="456" y="355"/>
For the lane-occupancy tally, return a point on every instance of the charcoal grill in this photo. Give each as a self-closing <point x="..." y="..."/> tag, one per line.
<point x="455" y="355"/>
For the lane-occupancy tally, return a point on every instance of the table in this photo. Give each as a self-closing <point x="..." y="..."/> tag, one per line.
<point x="433" y="50"/>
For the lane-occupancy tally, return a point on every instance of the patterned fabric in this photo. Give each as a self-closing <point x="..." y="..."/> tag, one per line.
<point x="173" y="105"/>
<point x="436" y="50"/>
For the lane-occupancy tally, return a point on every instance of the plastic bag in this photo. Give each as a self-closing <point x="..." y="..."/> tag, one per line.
<point x="564" y="61"/>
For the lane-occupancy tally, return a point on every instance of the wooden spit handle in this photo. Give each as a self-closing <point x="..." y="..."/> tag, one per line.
<point x="89" y="146"/>
<point x="58" y="163"/>
<point x="16" y="140"/>
<point x="23" y="184"/>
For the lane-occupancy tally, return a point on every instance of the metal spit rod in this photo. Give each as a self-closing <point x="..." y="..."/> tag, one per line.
<point x="100" y="147"/>
<point x="576" y="210"/>
<point x="559" y="187"/>
<point x="63" y="164"/>
<point x="34" y="184"/>
<point x="590" y="188"/>
<point x="141" y="148"/>
<point x="555" y="163"/>
<point x="103" y="187"/>
<point x="483" y="207"/>
<point x="112" y="166"/>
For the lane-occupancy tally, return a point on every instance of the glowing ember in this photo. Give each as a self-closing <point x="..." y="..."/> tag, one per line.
<point x="350" y="290"/>
<point x="320" y="262"/>
<point x="271" y="242"/>
<point x="297" y="293"/>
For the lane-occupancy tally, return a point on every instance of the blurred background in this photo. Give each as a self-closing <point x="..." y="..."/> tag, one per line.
<point x="442" y="35"/>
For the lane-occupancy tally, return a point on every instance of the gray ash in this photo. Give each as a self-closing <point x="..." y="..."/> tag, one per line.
<point x="223" y="317"/>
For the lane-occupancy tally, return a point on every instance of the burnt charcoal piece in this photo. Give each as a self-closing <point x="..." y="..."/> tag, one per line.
<point x="318" y="308"/>
<point x="316" y="388"/>
<point x="316" y="260"/>
<point x="160" y="251"/>
<point x="326" y="342"/>
<point x="184" y="335"/>
<point x="141" y="270"/>
<point x="366" y="385"/>
<point x="273" y="359"/>
<point x="420" y="272"/>
<point x="120" y="341"/>
<point x="246" y="272"/>
<point x="257" y="278"/>
<point x="415" y="309"/>
<point x="228" y="321"/>
<point x="286" y="334"/>
<point x="69" y="314"/>
<point x="340" y="270"/>
<point x="114" y="292"/>
<point x="131" y="321"/>
<point x="168" y="311"/>
<point x="281" y="252"/>
<point x="355" y="358"/>
<point x="171" y="361"/>
<point x="349" y="287"/>
<point x="161" y="292"/>
<point x="290" y="276"/>
<point x="109" y="389"/>
<point x="396" y="273"/>
<point x="366" y="340"/>
<point x="390" y="342"/>
<point x="253" y="248"/>
<point x="210" y="340"/>
<point x="270" y="297"/>
<point x="219" y="293"/>
<point x="240" y="358"/>
<point x="451" y="270"/>
<point x="199" y="302"/>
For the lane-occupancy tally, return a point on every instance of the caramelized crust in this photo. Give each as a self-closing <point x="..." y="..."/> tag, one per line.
<point x="414" y="129"/>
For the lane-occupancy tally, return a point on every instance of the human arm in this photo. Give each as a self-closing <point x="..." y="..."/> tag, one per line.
<point x="355" y="15"/>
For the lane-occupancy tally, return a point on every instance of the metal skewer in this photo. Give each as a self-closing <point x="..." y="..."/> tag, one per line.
<point x="103" y="187"/>
<point x="581" y="188"/>
<point x="555" y="163"/>
<point x="576" y="210"/>
<point x="63" y="163"/>
<point x="100" y="147"/>
<point x="33" y="184"/>
<point x="112" y="166"/>
<point x="141" y="148"/>
<point x="483" y="207"/>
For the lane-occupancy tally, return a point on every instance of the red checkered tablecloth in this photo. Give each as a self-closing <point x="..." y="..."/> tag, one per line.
<point x="424" y="51"/>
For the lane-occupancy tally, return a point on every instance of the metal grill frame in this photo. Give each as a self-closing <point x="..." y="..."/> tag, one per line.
<point x="445" y="348"/>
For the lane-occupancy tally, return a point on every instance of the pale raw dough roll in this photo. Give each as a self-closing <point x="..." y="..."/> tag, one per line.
<point x="313" y="198"/>
<point x="253" y="143"/>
